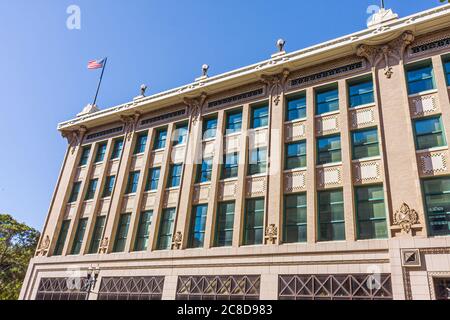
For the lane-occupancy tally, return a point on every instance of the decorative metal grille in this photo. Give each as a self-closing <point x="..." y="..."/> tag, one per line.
<point x="104" y="133"/>
<point x="61" y="289"/>
<point x="334" y="287"/>
<point x="236" y="98"/>
<point x="164" y="116"/>
<point x="442" y="288"/>
<point x="131" y="288"/>
<point x="218" y="288"/>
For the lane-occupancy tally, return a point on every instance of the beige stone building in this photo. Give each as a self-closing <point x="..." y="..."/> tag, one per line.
<point x="318" y="174"/>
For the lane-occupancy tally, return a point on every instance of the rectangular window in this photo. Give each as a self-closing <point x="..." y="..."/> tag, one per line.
<point x="296" y="108"/>
<point x="143" y="231"/>
<point x="327" y="100"/>
<point x="437" y="205"/>
<point x="204" y="171"/>
<point x="61" y="238"/>
<point x="97" y="235"/>
<point x="224" y="224"/>
<point x="79" y="234"/>
<point x="174" y="176"/>
<point x="166" y="229"/>
<point x="329" y="149"/>
<point x="117" y="149"/>
<point x="371" y="213"/>
<point x="234" y="122"/>
<point x="140" y="143"/>
<point x="254" y="222"/>
<point x="295" y="155"/>
<point x="198" y="226"/>
<point x="295" y="218"/>
<point x="75" y="191"/>
<point x="91" y="189"/>
<point x="209" y="128"/>
<point x="365" y="144"/>
<point x="230" y="165"/>
<point x="153" y="179"/>
<point x="122" y="232"/>
<point x="133" y="180"/>
<point x="331" y="216"/>
<point x="420" y="77"/>
<point x="109" y="186"/>
<point x="429" y="133"/>
<point x="160" y="139"/>
<point x="258" y="161"/>
<point x="260" y="116"/>
<point x="101" y="150"/>
<point x="361" y="92"/>
<point x="85" y="156"/>
<point x="447" y="70"/>
<point x="181" y="134"/>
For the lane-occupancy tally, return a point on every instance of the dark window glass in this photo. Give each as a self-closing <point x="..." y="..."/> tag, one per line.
<point x="166" y="229"/>
<point x="153" y="179"/>
<point x="117" y="149"/>
<point x="122" y="232"/>
<point x="234" y="122"/>
<point x="258" y="161"/>
<point x="160" y="139"/>
<point x="371" y="213"/>
<point x="143" y="231"/>
<point x="85" y="156"/>
<point x="97" y="235"/>
<point x="365" y="144"/>
<point x="437" y="203"/>
<point x="225" y="223"/>
<point x="181" y="134"/>
<point x="230" y="165"/>
<point x="140" y="143"/>
<point x="260" y="117"/>
<point x="174" y="176"/>
<point x="75" y="191"/>
<point x="329" y="149"/>
<point x="296" y="108"/>
<point x="209" y="128"/>
<point x="79" y="234"/>
<point x="254" y="222"/>
<point x="204" y="171"/>
<point x="327" y="101"/>
<point x="296" y="155"/>
<point x="133" y="180"/>
<point x="420" y="78"/>
<point x="361" y="93"/>
<point x="91" y="189"/>
<point x="295" y="218"/>
<point x="331" y="216"/>
<point x="101" y="150"/>
<point x="61" y="238"/>
<point x="447" y="70"/>
<point x="429" y="133"/>
<point x="109" y="186"/>
<point x="198" y="226"/>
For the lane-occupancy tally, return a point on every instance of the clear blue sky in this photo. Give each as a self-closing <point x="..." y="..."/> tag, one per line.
<point x="44" y="80"/>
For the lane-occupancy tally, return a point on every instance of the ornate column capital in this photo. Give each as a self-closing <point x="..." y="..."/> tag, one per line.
<point x="276" y="84"/>
<point x="74" y="137"/>
<point x="195" y="106"/>
<point x="130" y="122"/>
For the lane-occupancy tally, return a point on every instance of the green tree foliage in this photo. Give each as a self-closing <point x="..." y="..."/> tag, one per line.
<point x="17" y="246"/>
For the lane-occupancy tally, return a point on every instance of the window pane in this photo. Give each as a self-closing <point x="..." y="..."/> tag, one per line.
<point x="122" y="232"/>
<point x="166" y="229"/>
<point x="204" y="171"/>
<point x="91" y="189"/>
<point x="437" y="202"/>
<point x="365" y="144"/>
<point x="153" y="179"/>
<point x="296" y="155"/>
<point x="260" y="116"/>
<point x="257" y="161"/>
<point x="329" y="149"/>
<point x="140" y="143"/>
<point x="225" y="223"/>
<point x="85" y="156"/>
<point x="109" y="185"/>
<point x="160" y="139"/>
<point x="133" y="181"/>
<point x="143" y="231"/>
<point x="61" y="238"/>
<point x="75" y="191"/>
<point x="230" y="165"/>
<point x="78" y="240"/>
<point x="254" y="222"/>
<point x="181" y="134"/>
<point x="117" y="149"/>
<point x="429" y="133"/>
<point x="371" y="213"/>
<point x="97" y="235"/>
<point x="420" y="79"/>
<point x="234" y="122"/>
<point x="327" y="101"/>
<point x="198" y="225"/>
<point x="296" y="109"/>
<point x="174" y="176"/>
<point x="295" y="218"/>
<point x="101" y="150"/>
<point x="331" y="216"/>
<point x="361" y="93"/>
<point x="209" y="128"/>
<point x="447" y="71"/>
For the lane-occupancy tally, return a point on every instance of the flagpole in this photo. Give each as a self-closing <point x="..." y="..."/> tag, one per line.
<point x="100" y="81"/>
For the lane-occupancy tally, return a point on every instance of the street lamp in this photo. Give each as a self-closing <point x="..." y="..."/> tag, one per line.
<point x="92" y="277"/>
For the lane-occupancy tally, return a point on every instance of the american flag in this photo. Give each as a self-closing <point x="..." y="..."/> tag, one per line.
<point x="96" y="64"/>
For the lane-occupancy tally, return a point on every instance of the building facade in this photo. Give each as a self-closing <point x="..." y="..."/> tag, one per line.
<point x="318" y="174"/>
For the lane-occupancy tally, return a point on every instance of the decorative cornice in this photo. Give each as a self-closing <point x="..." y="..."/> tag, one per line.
<point x="276" y="85"/>
<point x="195" y="106"/>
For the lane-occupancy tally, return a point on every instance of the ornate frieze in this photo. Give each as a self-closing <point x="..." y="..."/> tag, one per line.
<point x="271" y="234"/>
<point x="430" y="43"/>
<point x="423" y="105"/>
<point x="163" y="117"/>
<point x="130" y="124"/>
<point x="362" y="117"/>
<point x="44" y="247"/>
<point x="433" y="163"/>
<point x="276" y="85"/>
<point x="195" y="106"/>
<point x="177" y="240"/>
<point x="367" y="172"/>
<point x="238" y="98"/>
<point x="227" y="190"/>
<point x="327" y="125"/>
<point x="103" y="249"/>
<point x="295" y="181"/>
<point x="329" y="177"/>
<point x="74" y="137"/>
<point x="406" y="218"/>
<point x="295" y="131"/>
<point x="256" y="186"/>
<point x="104" y="133"/>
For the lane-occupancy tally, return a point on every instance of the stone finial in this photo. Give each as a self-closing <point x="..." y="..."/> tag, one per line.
<point x="382" y="16"/>
<point x="205" y="69"/>
<point x="280" y="45"/>
<point x="143" y="89"/>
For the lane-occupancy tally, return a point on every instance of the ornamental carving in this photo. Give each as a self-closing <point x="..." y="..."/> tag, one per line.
<point x="275" y="85"/>
<point x="195" y="106"/>
<point x="177" y="240"/>
<point x="103" y="249"/>
<point x="271" y="234"/>
<point x="405" y="218"/>
<point x="394" y="49"/>
<point x="130" y="123"/>
<point x="75" y="137"/>
<point x="43" y="248"/>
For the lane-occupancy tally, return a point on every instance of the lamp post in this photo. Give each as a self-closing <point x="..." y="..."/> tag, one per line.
<point x="92" y="277"/>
